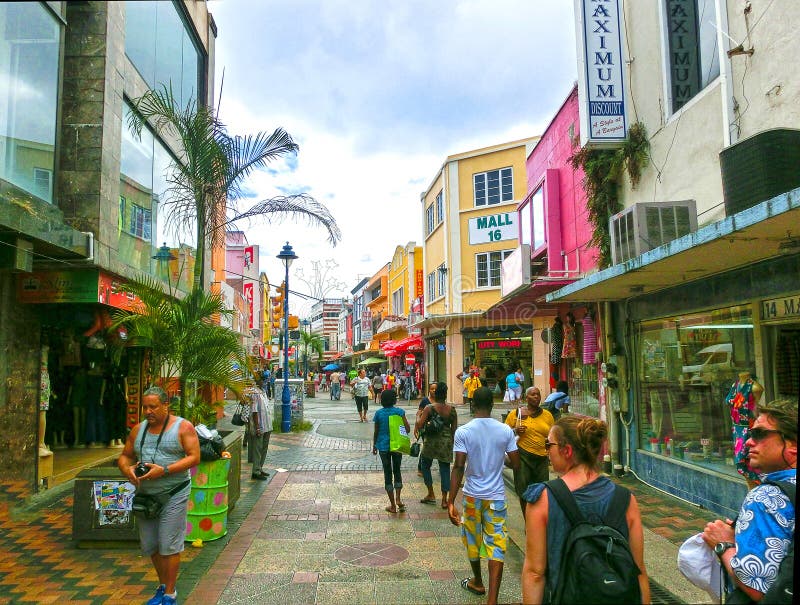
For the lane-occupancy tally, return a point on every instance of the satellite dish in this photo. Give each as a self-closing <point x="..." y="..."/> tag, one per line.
<point x="546" y="335"/>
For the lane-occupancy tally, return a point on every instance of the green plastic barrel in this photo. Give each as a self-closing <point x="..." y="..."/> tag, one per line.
<point x="208" y="501"/>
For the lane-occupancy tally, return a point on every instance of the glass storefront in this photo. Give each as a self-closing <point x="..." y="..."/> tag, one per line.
<point x="159" y="44"/>
<point x="498" y="356"/>
<point x="685" y="368"/>
<point x="29" y="47"/>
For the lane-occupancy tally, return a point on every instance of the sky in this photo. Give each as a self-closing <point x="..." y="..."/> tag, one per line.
<point x="377" y="94"/>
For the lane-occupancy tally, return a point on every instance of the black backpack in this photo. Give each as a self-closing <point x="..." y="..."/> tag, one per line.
<point x="596" y="564"/>
<point x="434" y="425"/>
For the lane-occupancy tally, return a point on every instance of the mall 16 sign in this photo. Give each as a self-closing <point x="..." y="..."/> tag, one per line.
<point x="493" y="228"/>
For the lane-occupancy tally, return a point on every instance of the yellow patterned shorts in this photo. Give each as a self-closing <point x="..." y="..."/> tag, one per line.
<point x="483" y="529"/>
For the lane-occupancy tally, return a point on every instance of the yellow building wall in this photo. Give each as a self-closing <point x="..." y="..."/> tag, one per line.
<point x="398" y="278"/>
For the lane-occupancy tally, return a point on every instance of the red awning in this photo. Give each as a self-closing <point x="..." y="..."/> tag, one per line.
<point x="411" y="343"/>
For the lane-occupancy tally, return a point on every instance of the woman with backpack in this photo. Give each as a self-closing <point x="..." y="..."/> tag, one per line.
<point x="437" y="423"/>
<point x="554" y="522"/>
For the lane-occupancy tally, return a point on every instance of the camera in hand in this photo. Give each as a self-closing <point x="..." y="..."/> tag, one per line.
<point x="141" y="469"/>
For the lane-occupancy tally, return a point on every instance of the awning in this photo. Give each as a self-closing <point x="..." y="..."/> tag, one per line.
<point x="439" y="321"/>
<point x="761" y="232"/>
<point x="369" y="361"/>
<point x="527" y="302"/>
<point x="411" y="343"/>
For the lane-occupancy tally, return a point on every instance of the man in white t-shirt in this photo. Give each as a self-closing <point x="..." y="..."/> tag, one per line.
<point x="487" y="445"/>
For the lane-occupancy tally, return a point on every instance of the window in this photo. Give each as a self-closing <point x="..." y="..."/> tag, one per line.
<point x="693" y="53"/>
<point x="29" y="48"/>
<point x="439" y="208"/>
<point x="686" y="366"/>
<point x="141" y="222"/>
<point x="398" y="302"/>
<point x="429" y="224"/>
<point x="432" y="285"/>
<point x="161" y="46"/>
<point x="487" y="267"/>
<point x="441" y="273"/>
<point x="493" y="187"/>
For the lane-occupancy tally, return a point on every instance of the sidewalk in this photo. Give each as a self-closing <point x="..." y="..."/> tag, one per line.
<point x="316" y="532"/>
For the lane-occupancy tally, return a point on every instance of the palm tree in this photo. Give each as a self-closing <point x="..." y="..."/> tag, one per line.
<point x="207" y="183"/>
<point x="309" y="340"/>
<point x="183" y="336"/>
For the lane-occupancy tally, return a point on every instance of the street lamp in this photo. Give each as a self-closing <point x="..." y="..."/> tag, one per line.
<point x="287" y="255"/>
<point x="305" y="323"/>
<point x="162" y="257"/>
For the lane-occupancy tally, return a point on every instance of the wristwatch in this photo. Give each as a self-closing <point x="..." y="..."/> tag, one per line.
<point x="166" y="471"/>
<point x="720" y="548"/>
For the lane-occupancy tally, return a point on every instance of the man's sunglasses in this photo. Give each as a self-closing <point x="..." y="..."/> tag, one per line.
<point x="759" y="434"/>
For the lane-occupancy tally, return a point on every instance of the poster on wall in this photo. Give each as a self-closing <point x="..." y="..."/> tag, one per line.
<point x="113" y="501"/>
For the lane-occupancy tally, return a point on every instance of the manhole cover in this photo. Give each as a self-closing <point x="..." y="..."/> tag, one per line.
<point x="371" y="554"/>
<point x="363" y="490"/>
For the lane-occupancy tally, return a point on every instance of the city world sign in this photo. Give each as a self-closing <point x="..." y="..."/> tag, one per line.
<point x="513" y="343"/>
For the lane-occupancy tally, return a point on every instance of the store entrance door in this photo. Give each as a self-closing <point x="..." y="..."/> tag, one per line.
<point x="782" y="361"/>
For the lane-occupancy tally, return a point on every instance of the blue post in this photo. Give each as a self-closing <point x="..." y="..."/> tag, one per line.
<point x="286" y="396"/>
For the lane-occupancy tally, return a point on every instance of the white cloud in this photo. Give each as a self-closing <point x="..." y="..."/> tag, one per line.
<point x="377" y="95"/>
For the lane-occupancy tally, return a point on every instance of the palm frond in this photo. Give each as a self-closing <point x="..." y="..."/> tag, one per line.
<point x="280" y="208"/>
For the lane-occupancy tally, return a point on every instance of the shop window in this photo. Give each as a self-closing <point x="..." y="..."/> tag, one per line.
<point x="686" y="366"/>
<point x="29" y="48"/>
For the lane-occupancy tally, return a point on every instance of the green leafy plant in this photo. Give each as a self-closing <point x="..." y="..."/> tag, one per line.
<point x="602" y="169"/>
<point x="183" y="336"/>
<point x="199" y="411"/>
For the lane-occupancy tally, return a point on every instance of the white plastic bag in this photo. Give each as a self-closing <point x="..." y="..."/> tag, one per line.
<point x="698" y="563"/>
<point x="507" y="396"/>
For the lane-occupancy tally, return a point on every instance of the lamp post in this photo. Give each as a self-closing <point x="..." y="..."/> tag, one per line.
<point x="305" y="323"/>
<point x="162" y="257"/>
<point x="287" y="255"/>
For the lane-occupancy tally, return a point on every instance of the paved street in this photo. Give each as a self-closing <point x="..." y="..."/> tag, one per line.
<point x="316" y="532"/>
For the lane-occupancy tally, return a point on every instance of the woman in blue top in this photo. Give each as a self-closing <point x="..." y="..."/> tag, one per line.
<point x="392" y="479"/>
<point x="512" y="386"/>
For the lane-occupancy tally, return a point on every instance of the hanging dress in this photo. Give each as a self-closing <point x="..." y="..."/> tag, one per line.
<point x="556" y="342"/>
<point x="742" y="403"/>
<point x="570" y="350"/>
<point x="590" y="348"/>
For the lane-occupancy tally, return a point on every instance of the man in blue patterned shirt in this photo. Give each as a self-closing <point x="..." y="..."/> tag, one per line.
<point x="752" y="552"/>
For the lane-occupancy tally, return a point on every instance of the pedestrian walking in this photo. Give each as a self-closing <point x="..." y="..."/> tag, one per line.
<point x="259" y="429"/>
<point x="441" y="421"/>
<point x="755" y="550"/>
<point x="483" y="445"/>
<point x="531" y="424"/>
<point x="573" y="445"/>
<point x="392" y="478"/>
<point x="471" y="384"/>
<point x="362" y="387"/>
<point x="336" y="386"/>
<point x="512" y="387"/>
<point x="156" y="459"/>
<point x="377" y="386"/>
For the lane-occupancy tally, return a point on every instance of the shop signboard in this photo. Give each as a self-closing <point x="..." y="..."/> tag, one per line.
<point x="418" y="283"/>
<point x="493" y="228"/>
<point x="601" y="91"/>
<point x="781" y="308"/>
<point x="86" y="286"/>
<point x="248" y="296"/>
<point x="366" y="325"/>
<point x="510" y="343"/>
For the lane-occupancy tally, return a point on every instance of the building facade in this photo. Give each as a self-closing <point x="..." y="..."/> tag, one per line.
<point x="82" y="207"/>
<point x="469" y="218"/>
<point x="703" y="289"/>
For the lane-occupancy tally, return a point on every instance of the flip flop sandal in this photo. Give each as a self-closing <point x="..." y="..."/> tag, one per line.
<point x="388" y="509"/>
<point x="428" y="501"/>
<point x="465" y="585"/>
<point x="401" y="508"/>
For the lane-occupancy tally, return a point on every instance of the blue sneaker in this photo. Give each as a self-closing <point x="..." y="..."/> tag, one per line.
<point x="168" y="600"/>
<point x="158" y="598"/>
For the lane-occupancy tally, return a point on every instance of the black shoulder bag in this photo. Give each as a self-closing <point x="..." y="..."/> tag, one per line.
<point x="150" y="505"/>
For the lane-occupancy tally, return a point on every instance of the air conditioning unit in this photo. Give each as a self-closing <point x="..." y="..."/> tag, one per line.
<point x="648" y="225"/>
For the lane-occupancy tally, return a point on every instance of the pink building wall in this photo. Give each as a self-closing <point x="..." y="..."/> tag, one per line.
<point x="567" y="227"/>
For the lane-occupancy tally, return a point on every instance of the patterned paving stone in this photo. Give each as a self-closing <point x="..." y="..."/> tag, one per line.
<point x="371" y="554"/>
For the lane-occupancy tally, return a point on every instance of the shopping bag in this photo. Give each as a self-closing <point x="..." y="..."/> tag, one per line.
<point x="399" y="441"/>
<point x="507" y="396"/>
<point x="698" y="563"/>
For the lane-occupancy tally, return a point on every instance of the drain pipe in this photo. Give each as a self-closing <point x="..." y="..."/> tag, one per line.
<point x="613" y="429"/>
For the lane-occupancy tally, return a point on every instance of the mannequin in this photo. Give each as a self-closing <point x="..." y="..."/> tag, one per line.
<point x="44" y="400"/>
<point x="96" y="432"/>
<point x="76" y="399"/>
<point x="556" y="341"/>
<point x="742" y="399"/>
<point x="570" y="347"/>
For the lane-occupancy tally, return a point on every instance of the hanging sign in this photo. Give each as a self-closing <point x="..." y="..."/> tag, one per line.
<point x="248" y="296"/>
<point x="601" y="92"/>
